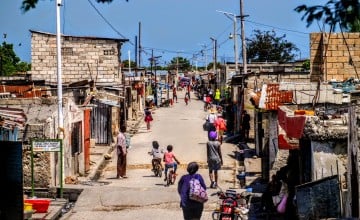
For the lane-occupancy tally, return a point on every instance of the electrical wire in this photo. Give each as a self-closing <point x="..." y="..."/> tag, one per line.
<point x="108" y="22"/>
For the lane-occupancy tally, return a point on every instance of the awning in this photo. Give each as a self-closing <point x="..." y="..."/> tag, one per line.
<point x="109" y="102"/>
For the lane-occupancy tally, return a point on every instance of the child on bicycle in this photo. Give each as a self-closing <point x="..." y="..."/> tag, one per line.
<point x="157" y="154"/>
<point x="170" y="160"/>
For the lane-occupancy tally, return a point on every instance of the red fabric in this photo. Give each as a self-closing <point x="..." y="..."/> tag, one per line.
<point x="293" y="125"/>
<point x="220" y="124"/>
<point x="284" y="144"/>
<point x="208" y="99"/>
<point x="148" y="118"/>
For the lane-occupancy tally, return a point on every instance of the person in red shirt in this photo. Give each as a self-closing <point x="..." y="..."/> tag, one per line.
<point x="170" y="160"/>
<point x="220" y="125"/>
<point x="174" y="94"/>
<point x="148" y="118"/>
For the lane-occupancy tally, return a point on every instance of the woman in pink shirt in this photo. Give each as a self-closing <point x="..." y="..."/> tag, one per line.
<point x="170" y="160"/>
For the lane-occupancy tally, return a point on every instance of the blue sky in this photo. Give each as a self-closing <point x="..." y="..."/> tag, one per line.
<point x="169" y="28"/>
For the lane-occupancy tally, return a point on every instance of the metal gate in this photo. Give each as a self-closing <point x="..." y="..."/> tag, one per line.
<point x="101" y="123"/>
<point x="76" y="145"/>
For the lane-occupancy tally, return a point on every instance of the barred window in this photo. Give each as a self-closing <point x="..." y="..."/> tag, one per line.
<point x="109" y="52"/>
<point x="67" y="51"/>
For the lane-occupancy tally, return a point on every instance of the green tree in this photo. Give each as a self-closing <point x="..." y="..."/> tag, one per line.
<point x="267" y="47"/>
<point x="182" y="63"/>
<point x="125" y="63"/>
<point x="211" y="67"/>
<point x="345" y="13"/>
<point x="9" y="62"/>
<point x="29" y="4"/>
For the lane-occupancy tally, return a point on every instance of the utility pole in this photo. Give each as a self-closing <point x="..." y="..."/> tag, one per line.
<point x="236" y="47"/>
<point x="59" y="88"/>
<point x="215" y="61"/>
<point x="243" y="43"/>
<point x="177" y="68"/>
<point x="233" y="36"/>
<point x="139" y="45"/>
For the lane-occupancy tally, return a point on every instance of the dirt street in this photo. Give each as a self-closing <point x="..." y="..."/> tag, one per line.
<point x="142" y="195"/>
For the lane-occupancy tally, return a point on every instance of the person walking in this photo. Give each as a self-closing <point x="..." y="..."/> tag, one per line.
<point x="214" y="158"/>
<point x="186" y="98"/>
<point x="148" y="118"/>
<point x="210" y="118"/>
<point x="174" y="94"/>
<point x="220" y="126"/>
<point x="192" y="210"/>
<point x="121" y="153"/>
<point x="245" y="125"/>
<point x="217" y="97"/>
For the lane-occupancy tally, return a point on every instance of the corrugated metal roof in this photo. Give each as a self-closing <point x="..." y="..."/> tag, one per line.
<point x="12" y="117"/>
<point x="271" y="97"/>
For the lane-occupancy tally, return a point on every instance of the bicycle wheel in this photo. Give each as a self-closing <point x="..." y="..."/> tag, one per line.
<point x="173" y="178"/>
<point x="169" y="178"/>
<point x="158" y="170"/>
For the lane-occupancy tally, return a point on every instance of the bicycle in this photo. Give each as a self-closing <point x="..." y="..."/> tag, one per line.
<point x="157" y="168"/>
<point x="171" y="176"/>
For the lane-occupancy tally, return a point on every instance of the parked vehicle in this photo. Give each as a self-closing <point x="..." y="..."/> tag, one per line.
<point x="232" y="205"/>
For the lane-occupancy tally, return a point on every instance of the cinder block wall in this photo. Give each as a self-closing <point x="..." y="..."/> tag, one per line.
<point x="83" y="58"/>
<point x="334" y="56"/>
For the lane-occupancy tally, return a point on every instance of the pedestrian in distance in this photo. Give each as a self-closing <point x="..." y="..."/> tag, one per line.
<point x="157" y="154"/>
<point x="170" y="160"/>
<point x="186" y="98"/>
<point x="214" y="158"/>
<point x="207" y="102"/>
<point x="148" y="118"/>
<point x="220" y="125"/>
<point x="188" y="90"/>
<point x="217" y="97"/>
<point x="174" y="94"/>
<point x="121" y="153"/>
<point x="245" y="125"/>
<point x="211" y="118"/>
<point x="192" y="210"/>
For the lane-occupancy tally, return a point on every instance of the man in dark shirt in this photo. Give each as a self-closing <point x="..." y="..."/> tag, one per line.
<point x="245" y="126"/>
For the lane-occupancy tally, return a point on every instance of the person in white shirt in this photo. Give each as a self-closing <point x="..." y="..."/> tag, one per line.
<point x="211" y="118"/>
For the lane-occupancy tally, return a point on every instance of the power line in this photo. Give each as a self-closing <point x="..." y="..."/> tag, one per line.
<point x="111" y="26"/>
<point x="284" y="29"/>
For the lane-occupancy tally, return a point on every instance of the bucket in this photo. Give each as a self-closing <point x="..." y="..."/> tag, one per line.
<point x="40" y="205"/>
<point x="28" y="206"/>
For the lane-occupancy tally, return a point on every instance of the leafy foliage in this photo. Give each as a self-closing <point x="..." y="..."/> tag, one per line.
<point x="30" y="4"/>
<point x="345" y="13"/>
<point x="9" y="62"/>
<point x="125" y="63"/>
<point x="267" y="47"/>
<point x="210" y="66"/>
<point x="181" y="62"/>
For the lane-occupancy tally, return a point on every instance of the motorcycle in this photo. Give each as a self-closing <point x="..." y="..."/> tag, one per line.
<point x="232" y="205"/>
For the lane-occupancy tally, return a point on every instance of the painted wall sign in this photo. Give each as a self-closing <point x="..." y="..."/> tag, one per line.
<point x="46" y="145"/>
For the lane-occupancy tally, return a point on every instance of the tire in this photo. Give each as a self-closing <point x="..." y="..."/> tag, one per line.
<point x="173" y="178"/>
<point x="158" y="170"/>
<point x="168" y="181"/>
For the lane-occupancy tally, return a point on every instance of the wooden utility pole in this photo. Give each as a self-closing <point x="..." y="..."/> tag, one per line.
<point x="139" y="63"/>
<point x="243" y="43"/>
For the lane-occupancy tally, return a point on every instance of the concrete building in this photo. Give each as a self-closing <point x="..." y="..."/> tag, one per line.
<point x="308" y="124"/>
